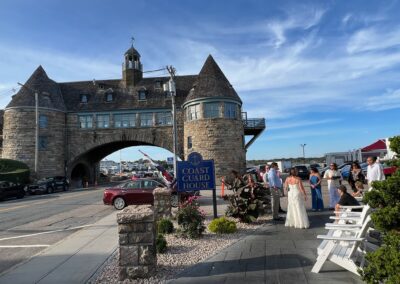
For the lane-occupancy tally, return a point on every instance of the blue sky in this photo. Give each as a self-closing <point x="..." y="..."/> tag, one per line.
<point x="324" y="73"/>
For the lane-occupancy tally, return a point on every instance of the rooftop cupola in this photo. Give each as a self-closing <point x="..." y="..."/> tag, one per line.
<point x="132" y="69"/>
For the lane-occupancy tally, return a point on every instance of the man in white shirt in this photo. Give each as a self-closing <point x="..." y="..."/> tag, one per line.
<point x="374" y="171"/>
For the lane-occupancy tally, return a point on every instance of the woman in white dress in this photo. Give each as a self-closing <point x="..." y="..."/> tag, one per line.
<point x="334" y="181"/>
<point x="296" y="215"/>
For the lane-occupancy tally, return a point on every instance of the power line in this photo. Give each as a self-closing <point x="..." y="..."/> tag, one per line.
<point x="157" y="70"/>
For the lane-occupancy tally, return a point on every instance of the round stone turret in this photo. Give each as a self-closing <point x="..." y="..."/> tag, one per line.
<point x="212" y="124"/>
<point x="20" y="125"/>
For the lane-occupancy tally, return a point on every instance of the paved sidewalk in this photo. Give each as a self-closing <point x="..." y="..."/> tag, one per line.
<point x="72" y="260"/>
<point x="274" y="254"/>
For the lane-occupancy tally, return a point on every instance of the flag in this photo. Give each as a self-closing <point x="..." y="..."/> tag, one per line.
<point x="165" y="174"/>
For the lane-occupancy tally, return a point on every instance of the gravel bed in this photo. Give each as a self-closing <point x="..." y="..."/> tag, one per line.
<point x="182" y="253"/>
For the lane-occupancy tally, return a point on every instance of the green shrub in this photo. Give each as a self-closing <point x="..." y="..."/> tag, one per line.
<point x="190" y="219"/>
<point x="161" y="243"/>
<point x="250" y="199"/>
<point x="222" y="226"/>
<point x="383" y="265"/>
<point x="165" y="226"/>
<point x="15" y="171"/>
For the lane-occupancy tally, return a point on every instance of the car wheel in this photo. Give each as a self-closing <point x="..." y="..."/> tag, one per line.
<point x="174" y="200"/>
<point x="119" y="203"/>
<point x="50" y="189"/>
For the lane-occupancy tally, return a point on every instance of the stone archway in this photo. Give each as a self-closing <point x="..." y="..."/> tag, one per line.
<point x="79" y="174"/>
<point x="89" y="161"/>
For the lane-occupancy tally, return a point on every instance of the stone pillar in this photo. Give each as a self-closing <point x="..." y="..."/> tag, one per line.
<point x="137" y="235"/>
<point x="162" y="203"/>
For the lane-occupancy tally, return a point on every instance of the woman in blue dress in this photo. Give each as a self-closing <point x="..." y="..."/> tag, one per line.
<point x="316" y="194"/>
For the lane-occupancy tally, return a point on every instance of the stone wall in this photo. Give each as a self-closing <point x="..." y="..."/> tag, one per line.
<point x="220" y="139"/>
<point x="137" y="250"/>
<point x="19" y="140"/>
<point x="162" y="203"/>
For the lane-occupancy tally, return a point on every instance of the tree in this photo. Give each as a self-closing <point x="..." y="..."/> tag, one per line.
<point x="383" y="265"/>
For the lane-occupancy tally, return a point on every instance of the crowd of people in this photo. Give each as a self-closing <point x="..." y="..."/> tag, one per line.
<point x="296" y="214"/>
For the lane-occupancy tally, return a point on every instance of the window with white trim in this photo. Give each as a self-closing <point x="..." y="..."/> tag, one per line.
<point x="211" y="110"/>
<point x="146" y="119"/>
<point x="125" y="120"/>
<point x="230" y="110"/>
<point x="103" y="121"/>
<point x="193" y="112"/>
<point x="85" y="121"/>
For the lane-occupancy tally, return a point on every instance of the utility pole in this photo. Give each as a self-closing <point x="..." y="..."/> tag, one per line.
<point x="172" y="91"/>
<point x="304" y="155"/>
<point x="36" y="125"/>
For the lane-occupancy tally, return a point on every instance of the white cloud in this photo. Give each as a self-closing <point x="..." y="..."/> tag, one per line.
<point x="371" y="39"/>
<point x="389" y="100"/>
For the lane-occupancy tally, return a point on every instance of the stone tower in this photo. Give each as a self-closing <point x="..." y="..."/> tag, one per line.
<point x="132" y="69"/>
<point x="19" y="126"/>
<point x="212" y="124"/>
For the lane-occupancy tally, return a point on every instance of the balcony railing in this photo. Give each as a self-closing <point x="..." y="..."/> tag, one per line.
<point x="254" y="123"/>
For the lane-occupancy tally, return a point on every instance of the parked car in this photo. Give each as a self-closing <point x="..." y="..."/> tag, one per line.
<point x="137" y="192"/>
<point x="49" y="185"/>
<point x="345" y="171"/>
<point x="9" y="189"/>
<point x="302" y="172"/>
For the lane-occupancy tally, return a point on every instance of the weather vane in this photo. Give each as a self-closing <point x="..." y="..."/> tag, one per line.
<point x="132" y="40"/>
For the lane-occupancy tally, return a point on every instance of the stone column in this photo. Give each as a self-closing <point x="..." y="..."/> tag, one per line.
<point x="137" y="235"/>
<point x="162" y="203"/>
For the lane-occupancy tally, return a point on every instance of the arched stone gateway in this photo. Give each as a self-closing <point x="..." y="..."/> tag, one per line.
<point x="82" y="122"/>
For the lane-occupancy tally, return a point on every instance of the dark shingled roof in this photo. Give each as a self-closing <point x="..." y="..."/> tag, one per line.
<point x="49" y="92"/>
<point x="132" y="51"/>
<point x="211" y="83"/>
<point x="122" y="98"/>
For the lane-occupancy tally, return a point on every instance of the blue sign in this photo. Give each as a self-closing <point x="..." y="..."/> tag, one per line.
<point x="170" y="160"/>
<point x="195" y="173"/>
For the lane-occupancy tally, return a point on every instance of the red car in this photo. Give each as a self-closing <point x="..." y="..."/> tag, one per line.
<point x="136" y="192"/>
<point x="388" y="170"/>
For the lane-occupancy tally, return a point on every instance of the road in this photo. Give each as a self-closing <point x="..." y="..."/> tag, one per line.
<point x="31" y="224"/>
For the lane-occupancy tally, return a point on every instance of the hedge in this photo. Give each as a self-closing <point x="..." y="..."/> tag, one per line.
<point x="15" y="171"/>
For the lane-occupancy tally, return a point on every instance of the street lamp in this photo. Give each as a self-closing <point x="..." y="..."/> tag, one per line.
<point x="304" y="154"/>
<point x="36" y="125"/>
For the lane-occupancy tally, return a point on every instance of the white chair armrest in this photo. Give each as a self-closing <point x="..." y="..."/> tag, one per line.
<point x="342" y="225"/>
<point x="352" y="207"/>
<point x="343" y="228"/>
<point x="347" y="212"/>
<point x="333" y="238"/>
<point x="344" y="218"/>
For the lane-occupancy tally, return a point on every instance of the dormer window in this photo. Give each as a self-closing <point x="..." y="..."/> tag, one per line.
<point x="84" y="99"/>
<point x="157" y="85"/>
<point x="109" y="97"/>
<point x="101" y="85"/>
<point x="142" y="95"/>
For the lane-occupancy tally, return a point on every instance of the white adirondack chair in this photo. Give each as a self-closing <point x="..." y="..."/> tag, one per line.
<point x="344" y="250"/>
<point x="354" y="224"/>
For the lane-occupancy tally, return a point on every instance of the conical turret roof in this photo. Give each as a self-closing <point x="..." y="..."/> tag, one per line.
<point x="49" y="92"/>
<point x="132" y="51"/>
<point x="212" y="83"/>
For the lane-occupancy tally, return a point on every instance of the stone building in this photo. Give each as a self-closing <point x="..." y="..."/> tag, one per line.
<point x="80" y="123"/>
